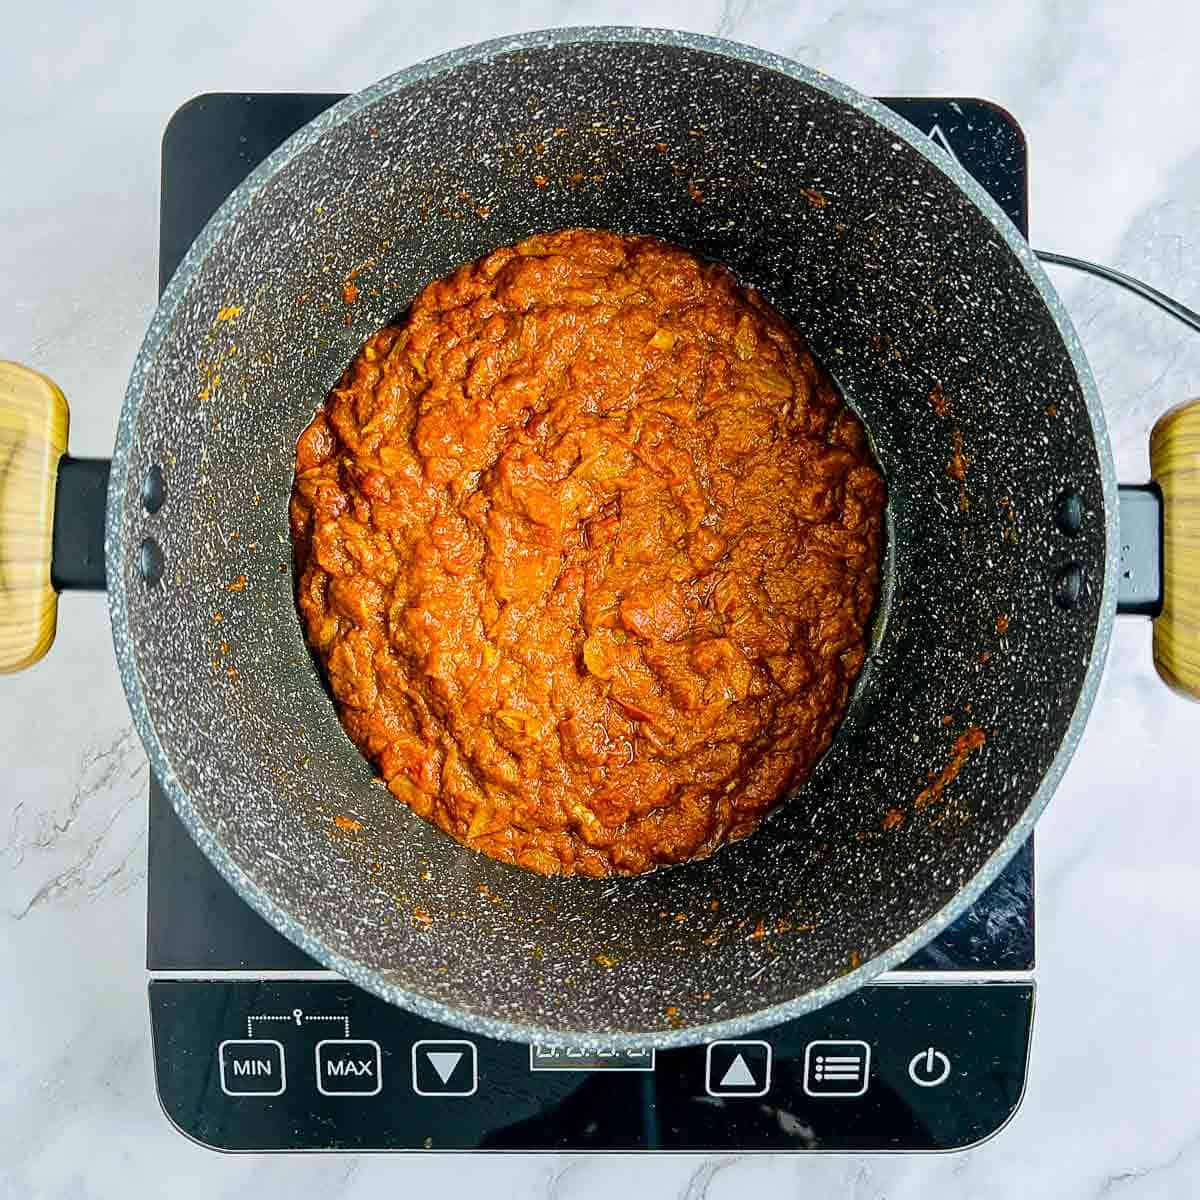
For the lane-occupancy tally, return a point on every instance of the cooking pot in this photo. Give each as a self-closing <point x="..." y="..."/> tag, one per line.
<point x="1004" y="550"/>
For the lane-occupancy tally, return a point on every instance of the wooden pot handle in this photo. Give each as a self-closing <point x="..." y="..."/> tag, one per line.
<point x="1175" y="468"/>
<point x="33" y="437"/>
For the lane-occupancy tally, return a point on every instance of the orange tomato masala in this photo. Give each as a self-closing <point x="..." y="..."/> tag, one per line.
<point x="587" y="547"/>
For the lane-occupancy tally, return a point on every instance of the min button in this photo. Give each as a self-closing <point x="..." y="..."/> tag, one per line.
<point x="251" y="1067"/>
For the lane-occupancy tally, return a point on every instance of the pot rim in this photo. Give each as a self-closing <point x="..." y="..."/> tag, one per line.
<point x="118" y="553"/>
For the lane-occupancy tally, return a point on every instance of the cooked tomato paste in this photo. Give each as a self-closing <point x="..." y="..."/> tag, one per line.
<point x="587" y="547"/>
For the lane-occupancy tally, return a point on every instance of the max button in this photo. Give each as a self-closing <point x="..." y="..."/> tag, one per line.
<point x="349" y="1067"/>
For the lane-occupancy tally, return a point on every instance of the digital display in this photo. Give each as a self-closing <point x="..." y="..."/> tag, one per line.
<point x="604" y="1058"/>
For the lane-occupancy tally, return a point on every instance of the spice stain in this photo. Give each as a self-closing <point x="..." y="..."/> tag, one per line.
<point x="967" y="742"/>
<point x="938" y="401"/>
<point x="956" y="468"/>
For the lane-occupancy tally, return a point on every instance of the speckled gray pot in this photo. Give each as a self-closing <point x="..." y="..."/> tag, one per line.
<point x="903" y="275"/>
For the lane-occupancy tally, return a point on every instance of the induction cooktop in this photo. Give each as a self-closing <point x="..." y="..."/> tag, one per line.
<point x="257" y="1047"/>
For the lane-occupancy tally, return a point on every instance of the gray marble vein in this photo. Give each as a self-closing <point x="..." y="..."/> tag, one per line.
<point x="1106" y="93"/>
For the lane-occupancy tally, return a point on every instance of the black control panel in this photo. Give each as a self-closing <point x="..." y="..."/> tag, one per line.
<point x="321" y="1065"/>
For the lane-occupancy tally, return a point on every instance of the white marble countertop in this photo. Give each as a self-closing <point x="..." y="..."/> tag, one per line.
<point x="1106" y="93"/>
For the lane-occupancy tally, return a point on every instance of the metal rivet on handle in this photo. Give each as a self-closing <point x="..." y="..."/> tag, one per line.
<point x="150" y="561"/>
<point x="154" y="490"/>
<point x="1068" y="586"/>
<point x="1068" y="513"/>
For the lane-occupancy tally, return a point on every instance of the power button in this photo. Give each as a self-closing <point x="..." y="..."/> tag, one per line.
<point x="929" y="1068"/>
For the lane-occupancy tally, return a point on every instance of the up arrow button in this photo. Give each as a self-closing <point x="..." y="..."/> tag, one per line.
<point x="737" y="1069"/>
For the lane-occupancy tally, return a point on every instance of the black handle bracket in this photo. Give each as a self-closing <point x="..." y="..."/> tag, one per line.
<point x="1140" y="586"/>
<point x="77" y="561"/>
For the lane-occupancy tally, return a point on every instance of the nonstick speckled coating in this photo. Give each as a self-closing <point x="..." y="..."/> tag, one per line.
<point x="903" y="276"/>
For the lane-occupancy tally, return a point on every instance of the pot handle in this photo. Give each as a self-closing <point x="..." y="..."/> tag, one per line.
<point x="1175" y="468"/>
<point x="33" y="438"/>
